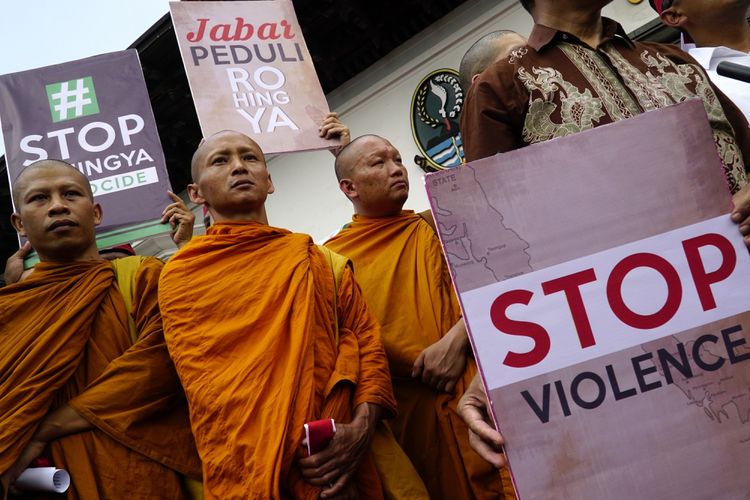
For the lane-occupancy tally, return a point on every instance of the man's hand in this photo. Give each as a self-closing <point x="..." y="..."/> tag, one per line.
<point x="483" y="438"/>
<point x="443" y="363"/>
<point x="61" y="422"/>
<point x="14" y="264"/>
<point x="332" y="128"/>
<point x="741" y="213"/>
<point x="180" y="218"/>
<point x="333" y="468"/>
<point x="32" y="451"/>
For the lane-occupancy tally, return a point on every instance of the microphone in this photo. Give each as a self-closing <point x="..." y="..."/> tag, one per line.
<point x="734" y="71"/>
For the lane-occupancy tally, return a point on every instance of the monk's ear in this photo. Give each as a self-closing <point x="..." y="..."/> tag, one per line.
<point x="673" y="18"/>
<point x="98" y="214"/>
<point x="195" y="194"/>
<point x="17" y="222"/>
<point x="271" y="188"/>
<point x="348" y="188"/>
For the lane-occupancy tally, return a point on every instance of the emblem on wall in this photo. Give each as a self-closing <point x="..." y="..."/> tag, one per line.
<point x="435" y="113"/>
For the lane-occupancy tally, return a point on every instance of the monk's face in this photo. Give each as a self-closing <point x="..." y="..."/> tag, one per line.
<point x="378" y="182"/>
<point x="232" y="178"/>
<point x="56" y="212"/>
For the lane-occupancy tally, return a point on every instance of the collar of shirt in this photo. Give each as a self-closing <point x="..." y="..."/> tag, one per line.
<point x="710" y="57"/>
<point x="541" y="35"/>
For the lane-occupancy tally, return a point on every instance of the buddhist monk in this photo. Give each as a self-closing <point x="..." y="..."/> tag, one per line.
<point x="400" y="265"/>
<point x="486" y="51"/>
<point x="176" y="214"/>
<point x="266" y="336"/>
<point x="85" y="380"/>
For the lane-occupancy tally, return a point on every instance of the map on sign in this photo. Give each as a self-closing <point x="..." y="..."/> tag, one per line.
<point x="607" y="305"/>
<point x="720" y="394"/>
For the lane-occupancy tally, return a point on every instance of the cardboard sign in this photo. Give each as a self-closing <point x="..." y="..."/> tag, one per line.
<point x="95" y="114"/>
<point x="605" y="291"/>
<point x="250" y="71"/>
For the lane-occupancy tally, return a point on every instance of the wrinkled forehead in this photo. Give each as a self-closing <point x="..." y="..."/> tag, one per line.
<point x="229" y="141"/>
<point x="372" y="147"/>
<point x="49" y="176"/>
<point x="224" y="141"/>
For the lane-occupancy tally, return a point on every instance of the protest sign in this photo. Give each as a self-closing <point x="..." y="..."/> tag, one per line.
<point x="95" y="114"/>
<point x="605" y="291"/>
<point x="250" y="71"/>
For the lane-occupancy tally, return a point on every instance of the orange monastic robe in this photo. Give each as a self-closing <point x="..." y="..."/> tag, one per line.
<point x="65" y="338"/>
<point x="249" y="321"/>
<point x="399" y="263"/>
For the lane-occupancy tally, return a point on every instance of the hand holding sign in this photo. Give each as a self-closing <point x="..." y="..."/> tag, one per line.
<point x="483" y="437"/>
<point x="332" y="128"/>
<point x="741" y="213"/>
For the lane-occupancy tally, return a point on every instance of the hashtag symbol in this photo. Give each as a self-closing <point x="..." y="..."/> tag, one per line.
<point x="71" y="99"/>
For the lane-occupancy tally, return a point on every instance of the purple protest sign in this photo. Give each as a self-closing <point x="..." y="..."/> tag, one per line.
<point x="95" y="114"/>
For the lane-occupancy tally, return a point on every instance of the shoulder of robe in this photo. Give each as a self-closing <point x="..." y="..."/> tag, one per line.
<point x="337" y="262"/>
<point x="126" y="271"/>
<point x="429" y="219"/>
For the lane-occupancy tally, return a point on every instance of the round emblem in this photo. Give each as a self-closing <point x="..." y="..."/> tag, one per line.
<point x="435" y="113"/>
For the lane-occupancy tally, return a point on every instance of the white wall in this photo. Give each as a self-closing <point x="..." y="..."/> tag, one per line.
<point x="378" y="101"/>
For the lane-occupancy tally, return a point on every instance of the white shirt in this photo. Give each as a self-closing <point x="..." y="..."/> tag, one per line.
<point x="737" y="91"/>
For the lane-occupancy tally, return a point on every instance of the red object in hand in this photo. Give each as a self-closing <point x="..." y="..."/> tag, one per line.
<point x="319" y="434"/>
<point x="41" y="462"/>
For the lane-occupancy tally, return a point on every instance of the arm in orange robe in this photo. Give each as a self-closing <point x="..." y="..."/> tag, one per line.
<point x="121" y="386"/>
<point x="399" y="263"/>
<point x="249" y="321"/>
<point x="361" y="362"/>
<point x="46" y="324"/>
<point x="374" y="384"/>
<point x="138" y="400"/>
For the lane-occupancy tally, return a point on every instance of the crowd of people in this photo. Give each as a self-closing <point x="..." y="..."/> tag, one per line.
<point x="195" y="378"/>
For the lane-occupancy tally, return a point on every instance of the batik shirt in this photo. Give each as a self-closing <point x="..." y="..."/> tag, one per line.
<point x="557" y="85"/>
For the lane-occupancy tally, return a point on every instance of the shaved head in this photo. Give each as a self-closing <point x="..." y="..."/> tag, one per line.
<point x="200" y="152"/>
<point x="19" y="184"/>
<point x="55" y="210"/>
<point x="486" y="51"/>
<point x="230" y="178"/>
<point x="373" y="176"/>
<point x="346" y="159"/>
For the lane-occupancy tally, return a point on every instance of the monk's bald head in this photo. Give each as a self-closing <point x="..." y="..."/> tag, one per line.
<point x="56" y="211"/>
<point x="199" y="157"/>
<point x="487" y="50"/>
<point x="347" y="158"/>
<point x="20" y="184"/>
<point x="230" y="177"/>
<point x="372" y="175"/>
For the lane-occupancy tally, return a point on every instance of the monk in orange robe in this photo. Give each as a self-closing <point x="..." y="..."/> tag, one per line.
<point x="265" y="337"/>
<point x="75" y="385"/>
<point x="400" y="265"/>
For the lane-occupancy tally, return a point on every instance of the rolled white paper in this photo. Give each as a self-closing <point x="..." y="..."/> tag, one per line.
<point x="43" y="479"/>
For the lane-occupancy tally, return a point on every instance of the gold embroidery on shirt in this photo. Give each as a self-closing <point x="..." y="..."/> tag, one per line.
<point x="618" y="102"/>
<point x="578" y="110"/>
<point x="667" y="82"/>
<point x="517" y="54"/>
<point x="558" y="108"/>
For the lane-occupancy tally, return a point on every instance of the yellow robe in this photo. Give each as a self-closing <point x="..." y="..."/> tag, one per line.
<point x="65" y="339"/>
<point x="400" y="266"/>
<point x="249" y="321"/>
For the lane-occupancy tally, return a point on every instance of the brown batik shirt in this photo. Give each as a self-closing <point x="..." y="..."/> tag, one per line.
<point x="557" y="86"/>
